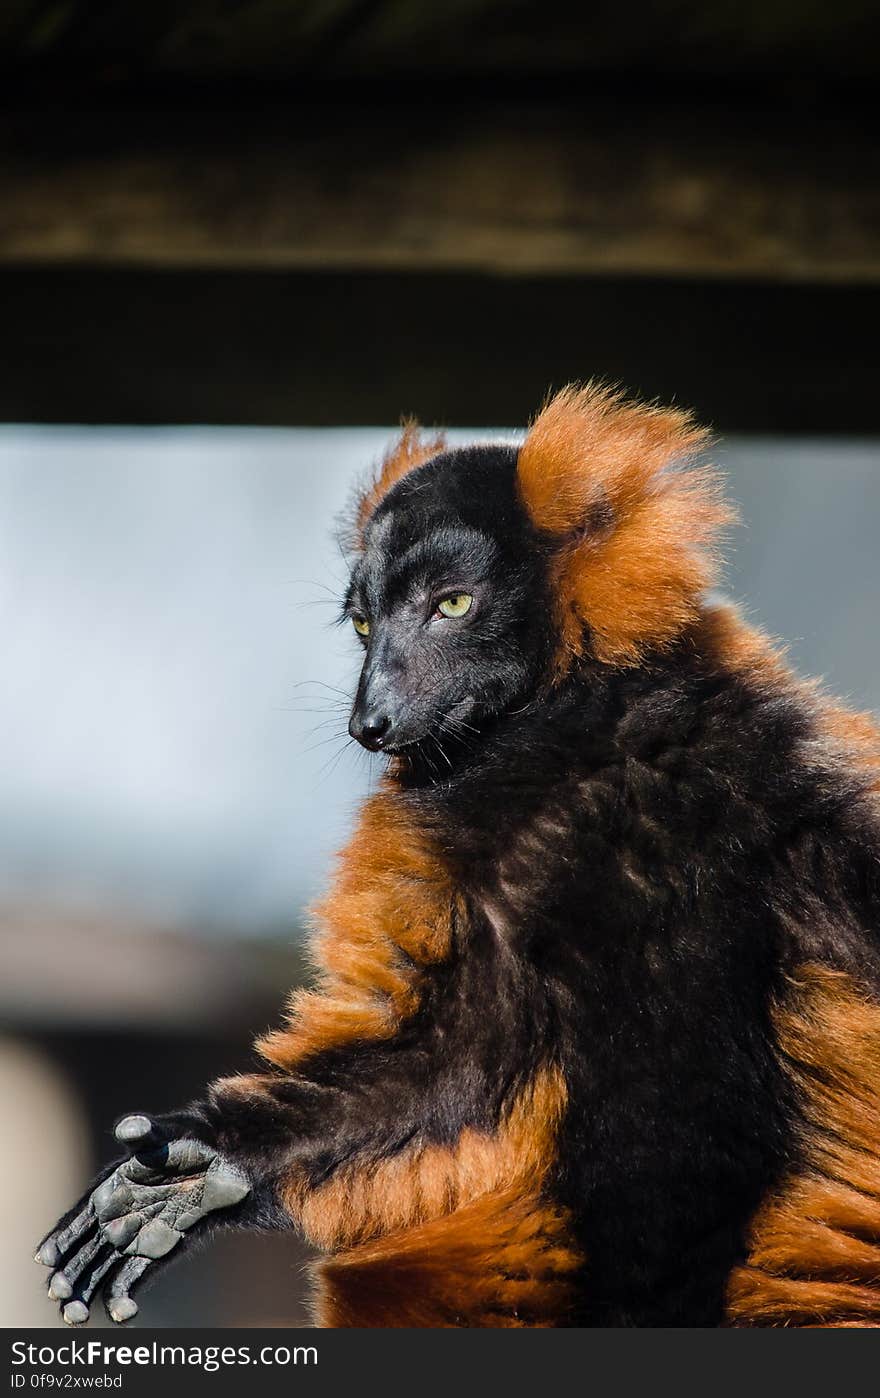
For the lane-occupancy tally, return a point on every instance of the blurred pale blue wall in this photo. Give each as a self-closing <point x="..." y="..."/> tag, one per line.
<point x="166" y="601"/>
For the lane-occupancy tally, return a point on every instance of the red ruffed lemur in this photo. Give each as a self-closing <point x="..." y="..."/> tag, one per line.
<point x="595" y="1035"/>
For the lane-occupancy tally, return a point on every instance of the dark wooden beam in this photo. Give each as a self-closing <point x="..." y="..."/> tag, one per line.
<point x="114" y="43"/>
<point x="145" y="346"/>
<point x="531" y="188"/>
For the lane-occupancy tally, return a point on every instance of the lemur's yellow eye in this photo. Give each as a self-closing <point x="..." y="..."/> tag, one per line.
<point x="361" y="625"/>
<point x="459" y="604"/>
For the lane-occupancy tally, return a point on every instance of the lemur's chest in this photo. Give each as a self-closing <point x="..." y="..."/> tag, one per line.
<point x="597" y="844"/>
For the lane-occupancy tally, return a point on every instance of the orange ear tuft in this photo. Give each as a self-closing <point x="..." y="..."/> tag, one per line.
<point x="409" y="451"/>
<point x="634" y="537"/>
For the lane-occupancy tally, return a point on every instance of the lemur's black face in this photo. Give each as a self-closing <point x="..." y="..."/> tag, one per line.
<point x="450" y="602"/>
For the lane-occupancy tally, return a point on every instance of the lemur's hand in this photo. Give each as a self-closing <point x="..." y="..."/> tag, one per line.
<point x="140" y="1211"/>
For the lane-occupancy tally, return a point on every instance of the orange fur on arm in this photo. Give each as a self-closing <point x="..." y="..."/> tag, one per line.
<point x="435" y="1209"/>
<point x="367" y="1199"/>
<point x="814" y="1247"/>
<point x="504" y="1260"/>
<point x="387" y="917"/>
<point x="463" y="1235"/>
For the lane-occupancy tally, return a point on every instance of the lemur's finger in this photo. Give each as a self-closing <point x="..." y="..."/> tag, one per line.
<point x="144" y="1167"/>
<point x="63" y="1283"/>
<point x="58" y="1243"/>
<point x="136" y="1130"/>
<point x="114" y="1197"/>
<point x="77" y="1309"/>
<point x="184" y="1155"/>
<point x="75" y="1313"/>
<point x="120" y="1306"/>
<point x="47" y="1253"/>
<point x="119" y="1232"/>
<point x="148" y="1164"/>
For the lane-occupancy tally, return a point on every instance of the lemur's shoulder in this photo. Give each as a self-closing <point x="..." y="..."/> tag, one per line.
<point x="386" y="917"/>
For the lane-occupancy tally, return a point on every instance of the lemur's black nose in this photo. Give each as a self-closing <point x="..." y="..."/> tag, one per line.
<point x="370" y="729"/>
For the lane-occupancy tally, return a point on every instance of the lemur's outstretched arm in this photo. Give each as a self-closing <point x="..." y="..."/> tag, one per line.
<point x="356" y="1087"/>
<point x="248" y="1154"/>
<point x="360" y="1082"/>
